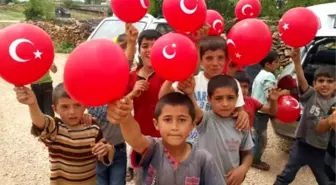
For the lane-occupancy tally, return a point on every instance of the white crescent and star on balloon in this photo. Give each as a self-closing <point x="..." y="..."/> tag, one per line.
<point x="13" y="47"/>
<point x="244" y="9"/>
<point x="230" y="41"/>
<point x="217" y="21"/>
<point x="285" y="27"/>
<point x="143" y="4"/>
<point x="169" y="56"/>
<point x="187" y="10"/>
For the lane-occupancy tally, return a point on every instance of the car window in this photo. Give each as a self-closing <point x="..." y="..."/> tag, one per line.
<point x="113" y="28"/>
<point x="163" y="28"/>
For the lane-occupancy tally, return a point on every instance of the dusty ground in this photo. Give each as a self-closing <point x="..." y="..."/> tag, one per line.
<point x="24" y="160"/>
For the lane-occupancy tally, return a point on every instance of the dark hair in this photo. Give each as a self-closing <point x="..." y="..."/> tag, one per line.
<point x="148" y="35"/>
<point x="121" y="38"/>
<point x="325" y="71"/>
<point x="212" y="43"/>
<point x="242" y="76"/>
<point x="174" y="99"/>
<point x="271" y="56"/>
<point x="222" y="81"/>
<point x="59" y="92"/>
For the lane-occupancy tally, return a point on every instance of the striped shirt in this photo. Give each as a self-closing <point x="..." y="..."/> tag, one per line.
<point x="70" y="152"/>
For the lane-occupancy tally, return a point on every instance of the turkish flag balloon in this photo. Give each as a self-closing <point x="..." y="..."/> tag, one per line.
<point x="174" y="57"/>
<point x="247" y="9"/>
<point x="216" y="21"/>
<point x="295" y="30"/>
<point x="26" y="53"/>
<point x="288" y="109"/>
<point x="130" y="11"/>
<point x="185" y="15"/>
<point x="96" y="72"/>
<point x="249" y="41"/>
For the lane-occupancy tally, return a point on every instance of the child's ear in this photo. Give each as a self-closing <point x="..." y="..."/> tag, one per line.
<point x="209" y="98"/>
<point x="314" y="83"/>
<point x="156" y="125"/>
<point x="54" y="108"/>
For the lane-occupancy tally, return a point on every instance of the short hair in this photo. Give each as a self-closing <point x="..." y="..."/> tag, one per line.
<point x="271" y="56"/>
<point x="212" y="43"/>
<point x="175" y="99"/>
<point x="121" y="38"/>
<point x="59" y="92"/>
<point x="220" y="81"/>
<point x="242" y="76"/>
<point x="325" y="71"/>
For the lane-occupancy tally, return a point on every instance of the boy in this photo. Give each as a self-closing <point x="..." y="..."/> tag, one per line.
<point x="218" y="125"/>
<point x="264" y="81"/>
<point x="115" y="174"/>
<point x="252" y="105"/>
<point x="330" y="162"/>
<point x="213" y="55"/>
<point x="311" y="142"/>
<point x="73" y="148"/>
<point x="170" y="159"/>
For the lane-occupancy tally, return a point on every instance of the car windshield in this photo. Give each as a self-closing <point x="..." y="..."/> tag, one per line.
<point x="113" y="28"/>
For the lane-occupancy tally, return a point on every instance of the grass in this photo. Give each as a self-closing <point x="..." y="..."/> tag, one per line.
<point x="82" y="15"/>
<point x="64" y="47"/>
<point x="12" y="12"/>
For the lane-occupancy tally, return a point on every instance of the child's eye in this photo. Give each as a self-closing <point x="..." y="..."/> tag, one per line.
<point x="183" y="120"/>
<point x="231" y="98"/>
<point x="167" y="120"/>
<point x="64" y="106"/>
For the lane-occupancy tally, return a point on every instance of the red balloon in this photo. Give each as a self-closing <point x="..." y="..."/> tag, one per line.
<point x="249" y="41"/>
<point x="96" y="72"/>
<point x="26" y="53"/>
<point x="216" y="21"/>
<point x="130" y="11"/>
<point x="295" y="30"/>
<point x="247" y="9"/>
<point x="288" y="109"/>
<point x="185" y="15"/>
<point x="174" y="57"/>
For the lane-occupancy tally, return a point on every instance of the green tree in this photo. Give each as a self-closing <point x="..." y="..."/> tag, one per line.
<point x="40" y="10"/>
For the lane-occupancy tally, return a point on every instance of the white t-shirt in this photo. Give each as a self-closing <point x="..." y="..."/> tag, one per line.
<point x="201" y="92"/>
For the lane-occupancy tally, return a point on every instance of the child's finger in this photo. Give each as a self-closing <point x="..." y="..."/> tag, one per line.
<point x="98" y="147"/>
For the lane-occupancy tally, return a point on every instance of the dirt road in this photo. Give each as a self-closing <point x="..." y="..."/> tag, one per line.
<point x="24" y="160"/>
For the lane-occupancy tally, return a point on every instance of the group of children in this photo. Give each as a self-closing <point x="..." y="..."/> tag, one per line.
<point x="197" y="131"/>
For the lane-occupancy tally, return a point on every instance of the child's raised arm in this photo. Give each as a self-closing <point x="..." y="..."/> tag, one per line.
<point x="26" y="96"/>
<point x="132" y="36"/>
<point x="303" y="84"/>
<point x="120" y="112"/>
<point x="166" y="88"/>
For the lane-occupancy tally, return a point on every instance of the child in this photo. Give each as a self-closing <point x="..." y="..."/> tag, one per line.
<point x="311" y="143"/>
<point x="252" y="105"/>
<point x="73" y="148"/>
<point x="170" y="159"/>
<point x="43" y="89"/>
<point x="264" y="81"/>
<point x="114" y="174"/>
<point x="213" y="55"/>
<point x="330" y="162"/>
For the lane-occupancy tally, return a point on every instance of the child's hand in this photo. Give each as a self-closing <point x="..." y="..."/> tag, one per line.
<point x="100" y="149"/>
<point x="131" y="33"/>
<point x="295" y="55"/>
<point x="274" y="93"/>
<point x="243" y="122"/>
<point x="25" y="95"/>
<point x="87" y="120"/>
<point x="187" y="86"/>
<point x="201" y="33"/>
<point x="53" y="68"/>
<point x="119" y="111"/>
<point x="235" y="176"/>
<point x="332" y="119"/>
<point x="139" y="87"/>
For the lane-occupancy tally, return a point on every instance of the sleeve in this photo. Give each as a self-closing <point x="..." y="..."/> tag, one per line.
<point x="269" y="83"/>
<point x="247" y="142"/>
<point x="142" y="160"/>
<point x="257" y="104"/>
<point x="99" y="113"/>
<point x="240" y="100"/>
<point x="48" y="134"/>
<point x="201" y="127"/>
<point x="305" y="96"/>
<point x="174" y="86"/>
<point x="107" y="159"/>
<point x="210" y="174"/>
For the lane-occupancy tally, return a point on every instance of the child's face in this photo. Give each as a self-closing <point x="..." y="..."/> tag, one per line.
<point x="223" y="101"/>
<point x="213" y="62"/>
<point x="174" y="124"/>
<point x="70" y="111"/>
<point x="275" y="65"/>
<point x="325" y="86"/>
<point x="245" y="88"/>
<point x="145" y="49"/>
